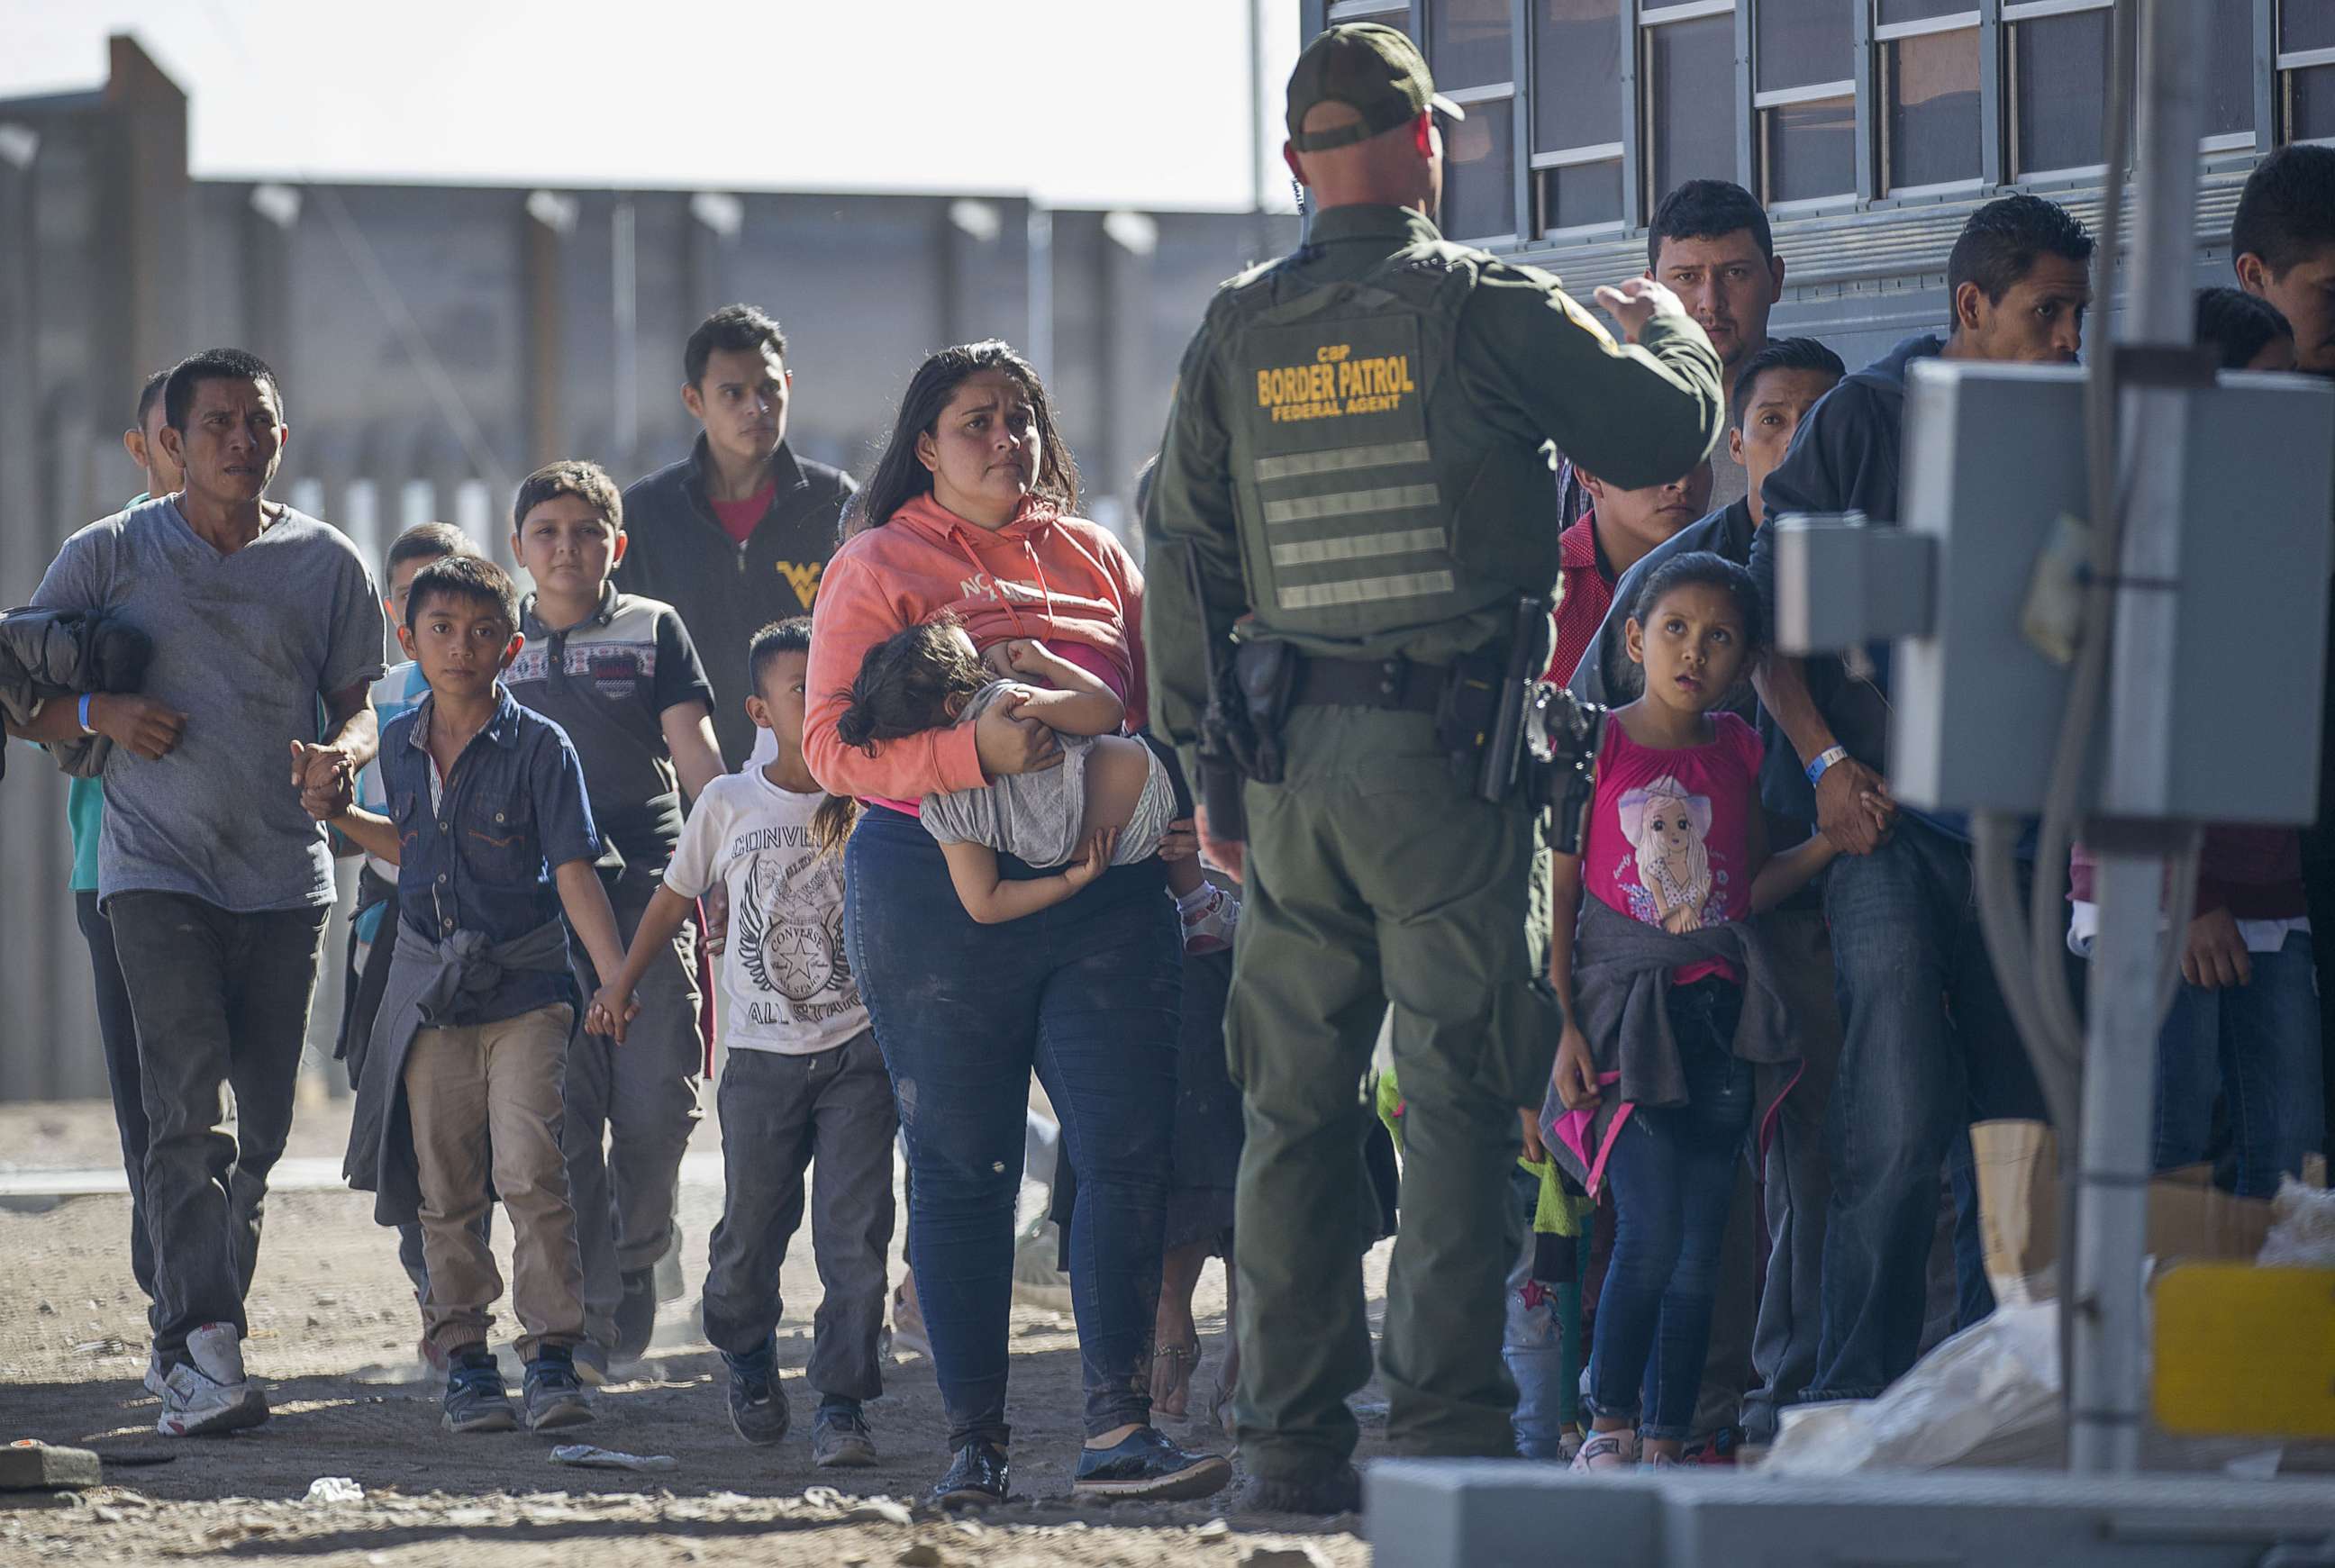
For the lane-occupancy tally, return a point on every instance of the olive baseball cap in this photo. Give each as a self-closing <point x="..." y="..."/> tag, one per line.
<point x="1370" y="68"/>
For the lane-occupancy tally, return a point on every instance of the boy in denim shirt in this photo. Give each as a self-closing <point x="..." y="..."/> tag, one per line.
<point x="492" y="836"/>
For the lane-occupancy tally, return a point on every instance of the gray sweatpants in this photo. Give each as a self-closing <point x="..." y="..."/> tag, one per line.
<point x="781" y="1115"/>
<point x="631" y="1108"/>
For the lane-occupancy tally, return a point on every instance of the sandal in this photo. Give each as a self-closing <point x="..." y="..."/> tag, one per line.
<point x="1173" y="1395"/>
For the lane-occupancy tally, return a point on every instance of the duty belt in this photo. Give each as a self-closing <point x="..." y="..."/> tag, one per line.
<point x="1396" y="684"/>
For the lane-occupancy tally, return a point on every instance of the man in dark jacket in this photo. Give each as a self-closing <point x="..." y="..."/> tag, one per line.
<point x="1926" y="1032"/>
<point x="735" y="534"/>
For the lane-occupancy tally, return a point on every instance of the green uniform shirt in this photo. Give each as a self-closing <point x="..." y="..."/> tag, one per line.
<point x="1530" y="372"/>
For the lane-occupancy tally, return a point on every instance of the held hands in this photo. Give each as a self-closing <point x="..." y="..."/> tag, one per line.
<point x="1094" y="858"/>
<point x="1180" y="842"/>
<point x="1637" y="302"/>
<point x="1576" y="1076"/>
<point x="1854" y="808"/>
<point x="612" y="1011"/>
<point x="144" y="726"/>
<point x="2216" y="954"/>
<point x="1009" y="743"/>
<point x="324" y="778"/>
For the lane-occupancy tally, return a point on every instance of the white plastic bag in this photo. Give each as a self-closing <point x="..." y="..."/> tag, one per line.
<point x="1989" y="1395"/>
<point x="2301" y="1227"/>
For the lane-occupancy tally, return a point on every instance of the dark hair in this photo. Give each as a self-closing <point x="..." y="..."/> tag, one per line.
<point x="735" y="329"/>
<point x="1780" y="353"/>
<point x="1707" y="209"/>
<point x="586" y="481"/>
<point x="2288" y="207"/>
<point x="428" y="542"/>
<point x="470" y="576"/>
<point x="150" y="393"/>
<point x="2238" y="325"/>
<point x="791" y="635"/>
<point x="211" y="365"/>
<point x="2001" y="242"/>
<point x="911" y="681"/>
<point x="898" y="478"/>
<point x="1701" y="569"/>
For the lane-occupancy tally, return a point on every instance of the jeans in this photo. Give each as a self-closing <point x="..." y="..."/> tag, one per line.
<point x="2258" y="1045"/>
<point x="118" y="1034"/>
<point x="1087" y="993"/>
<point x="221" y="1002"/>
<point x="631" y="1109"/>
<point x="1928" y="1047"/>
<point x="1673" y="1171"/>
<point x="781" y="1116"/>
<point x="1541" y="1344"/>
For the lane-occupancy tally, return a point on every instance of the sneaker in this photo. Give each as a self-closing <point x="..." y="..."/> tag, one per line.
<point x="1145" y="1463"/>
<point x="980" y="1478"/>
<point x="1660" y="1462"/>
<point x="208" y="1392"/>
<point x="1608" y="1451"/>
<point x="758" y="1405"/>
<point x="1722" y="1447"/>
<point x="156" y="1375"/>
<point x="476" y="1400"/>
<point x="636" y="1313"/>
<point x="1334" y="1491"/>
<point x="839" y="1440"/>
<point x="1208" y="928"/>
<point x="555" y="1398"/>
<point x="1037" y="1281"/>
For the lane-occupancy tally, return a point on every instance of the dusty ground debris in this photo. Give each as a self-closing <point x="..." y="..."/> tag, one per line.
<point x="350" y="1401"/>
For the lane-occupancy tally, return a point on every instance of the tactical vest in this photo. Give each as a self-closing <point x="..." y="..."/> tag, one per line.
<point x="1346" y="529"/>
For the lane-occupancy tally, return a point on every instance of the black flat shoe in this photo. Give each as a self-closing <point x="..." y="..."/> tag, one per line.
<point x="980" y="1478"/>
<point x="1337" y="1491"/>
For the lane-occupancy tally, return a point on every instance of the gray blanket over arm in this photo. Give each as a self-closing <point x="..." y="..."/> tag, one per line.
<point x="1622" y="971"/>
<point x="429" y="981"/>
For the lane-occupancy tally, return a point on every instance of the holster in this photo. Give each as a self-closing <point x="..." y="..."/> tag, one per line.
<point x="1265" y="678"/>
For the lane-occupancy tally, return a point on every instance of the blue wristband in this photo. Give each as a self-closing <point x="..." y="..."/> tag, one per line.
<point x="85" y="696"/>
<point x="1825" y="760"/>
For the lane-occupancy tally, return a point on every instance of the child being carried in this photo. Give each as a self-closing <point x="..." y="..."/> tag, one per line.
<point x="1108" y="802"/>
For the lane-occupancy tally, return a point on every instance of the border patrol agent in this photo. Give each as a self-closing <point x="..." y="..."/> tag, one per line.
<point x="1355" y="490"/>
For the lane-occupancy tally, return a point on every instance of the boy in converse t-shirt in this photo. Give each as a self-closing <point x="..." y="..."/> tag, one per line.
<point x="802" y="1080"/>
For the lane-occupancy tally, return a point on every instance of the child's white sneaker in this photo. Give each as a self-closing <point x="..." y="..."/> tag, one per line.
<point x="1209" y="921"/>
<point x="1608" y="1451"/>
<point x="208" y="1392"/>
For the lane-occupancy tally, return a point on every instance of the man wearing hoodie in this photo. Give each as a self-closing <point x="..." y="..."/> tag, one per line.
<point x="1924" y="1025"/>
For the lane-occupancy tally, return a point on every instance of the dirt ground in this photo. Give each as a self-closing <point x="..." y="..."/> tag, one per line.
<point x="332" y="1327"/>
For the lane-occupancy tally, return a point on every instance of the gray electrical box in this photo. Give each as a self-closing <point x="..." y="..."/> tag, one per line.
<point x="1993" y="457"/>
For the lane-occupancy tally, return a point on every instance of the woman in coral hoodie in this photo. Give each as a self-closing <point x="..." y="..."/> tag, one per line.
<point x="968" y="513"/>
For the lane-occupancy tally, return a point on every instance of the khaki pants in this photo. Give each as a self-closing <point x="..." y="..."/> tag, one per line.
<point x="491" y="1092"/>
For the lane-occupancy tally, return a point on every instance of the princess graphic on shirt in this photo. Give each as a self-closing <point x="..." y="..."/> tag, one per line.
<point x="1667" y="826"/>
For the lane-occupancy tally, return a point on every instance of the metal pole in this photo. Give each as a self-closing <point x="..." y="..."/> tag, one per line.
<point x="623" y="269"/>
<point x="2108" y="1298"/>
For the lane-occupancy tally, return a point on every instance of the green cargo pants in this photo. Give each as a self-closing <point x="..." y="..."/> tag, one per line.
<point x="1375" y="880"/>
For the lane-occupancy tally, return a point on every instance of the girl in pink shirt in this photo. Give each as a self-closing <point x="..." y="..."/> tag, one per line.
<point x="1675" y="841"/>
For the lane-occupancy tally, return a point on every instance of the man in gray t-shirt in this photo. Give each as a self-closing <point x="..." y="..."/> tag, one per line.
<point x="216" y="876"/>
